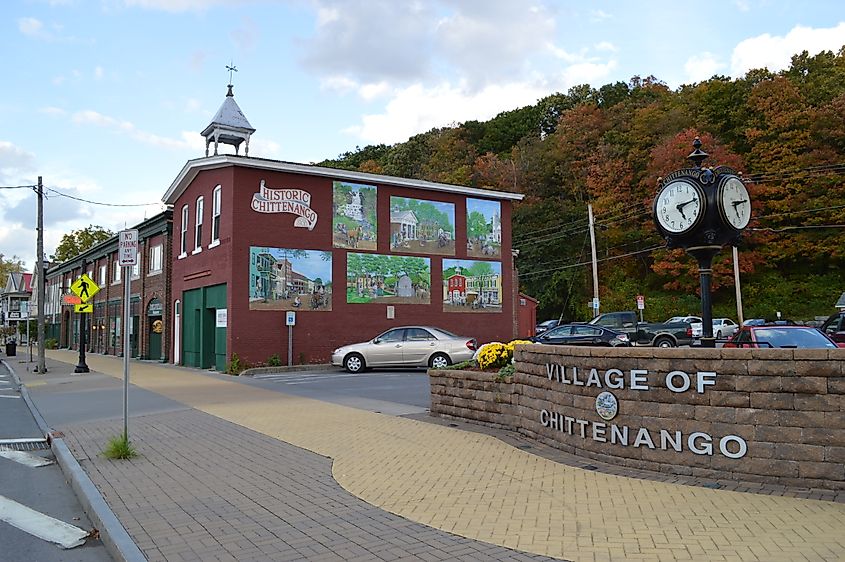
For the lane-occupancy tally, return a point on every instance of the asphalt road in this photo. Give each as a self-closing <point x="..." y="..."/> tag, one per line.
<point x="43" y="489"/>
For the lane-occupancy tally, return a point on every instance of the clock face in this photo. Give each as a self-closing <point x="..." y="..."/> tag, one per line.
<point x="678" y="206"/>
<point x="735" y="203"/>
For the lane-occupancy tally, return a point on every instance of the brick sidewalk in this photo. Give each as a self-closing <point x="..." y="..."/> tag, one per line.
<point x="478" y="487"/>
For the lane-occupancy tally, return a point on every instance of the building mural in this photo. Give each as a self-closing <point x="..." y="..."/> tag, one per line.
<point x="289" y="279"/>
<point x="472" y="286"/>
<point x="422" y="227"/>
<point x="354" y="223"/>
<point x="387" y="279"/>
<point x="484" y="228"/>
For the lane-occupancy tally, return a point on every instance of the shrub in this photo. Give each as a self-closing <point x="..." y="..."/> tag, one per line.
<point x="119" y="447"/>
<point x="495" y="355"/>
<point x="235" y="366"/>
<point x="274" y="360"/>
<point x="51" y="343"/>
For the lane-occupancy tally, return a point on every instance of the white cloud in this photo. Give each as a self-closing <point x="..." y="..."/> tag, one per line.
<point x="32" y="27"/>
<point x="370" y="92"/>
<point x="90" y="117"/>
<point x="775" y="52"/>
<point x="177" y="5"/>
<point x="605" y="46"/>
<point x="415" y="109"/>
<point x="742" y="5"/>
<point x="53" y="111"/>
<point x="99" y="72"/>
<point x="593" y="73"/>
<point x="702" y="66"/>
<point x="599" y="15"/>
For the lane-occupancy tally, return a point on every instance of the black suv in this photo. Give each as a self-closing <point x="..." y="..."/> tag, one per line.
<point x="834" y="327"/>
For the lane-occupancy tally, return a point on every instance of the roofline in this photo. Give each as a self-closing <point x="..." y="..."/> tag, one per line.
<point x="192" y="168"/>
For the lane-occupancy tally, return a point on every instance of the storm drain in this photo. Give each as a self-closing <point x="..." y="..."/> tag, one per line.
<point x="26" y="444"/>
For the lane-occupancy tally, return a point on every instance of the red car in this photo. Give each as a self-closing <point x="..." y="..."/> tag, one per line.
<point x="779" y="335"/>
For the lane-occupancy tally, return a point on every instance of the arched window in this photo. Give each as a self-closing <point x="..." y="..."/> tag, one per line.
<point x="198" y="227"/>
<point x="183" y="241"/>
<point x="215" y="216"/>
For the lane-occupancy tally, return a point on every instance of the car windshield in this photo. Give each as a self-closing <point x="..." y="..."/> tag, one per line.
<point x="792" y="337"/>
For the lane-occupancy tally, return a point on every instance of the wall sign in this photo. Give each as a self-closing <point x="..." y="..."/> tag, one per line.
<point x="294" y="201"/>
<point x="221" y="318"/>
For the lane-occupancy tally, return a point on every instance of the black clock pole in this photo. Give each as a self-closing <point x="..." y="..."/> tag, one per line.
<point x="704" y="255"/>
<point x="82" y="367"/>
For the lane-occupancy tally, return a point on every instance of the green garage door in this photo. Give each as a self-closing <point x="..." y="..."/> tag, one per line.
<point x="203" y="344"/>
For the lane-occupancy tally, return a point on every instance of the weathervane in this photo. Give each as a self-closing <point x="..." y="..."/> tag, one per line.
<point x="231" y="68"/>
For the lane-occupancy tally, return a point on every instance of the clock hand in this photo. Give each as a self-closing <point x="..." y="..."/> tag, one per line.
<point x="681" y="206"/>
<point x="736" y="205"/>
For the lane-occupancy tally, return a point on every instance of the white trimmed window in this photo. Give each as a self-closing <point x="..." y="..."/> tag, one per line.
<point x="136" y="269"/>
<point x="215" y="216"/>
<point x="115" y="271"/>
<point x="183" y="240"/>
<point x="198" y="226"/>
<point x="155" y="259"/>
<point x="103" y="275"/>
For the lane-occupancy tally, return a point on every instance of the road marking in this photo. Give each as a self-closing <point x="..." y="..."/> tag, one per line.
<point x="25" y="458"/>
<point x="40" y="525"/>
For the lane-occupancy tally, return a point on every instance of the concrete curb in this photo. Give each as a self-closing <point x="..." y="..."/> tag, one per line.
<point x="114" y="536"/>
<point x="285" y="369"/>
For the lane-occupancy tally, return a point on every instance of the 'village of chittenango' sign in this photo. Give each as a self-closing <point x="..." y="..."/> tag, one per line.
<point x="296" y="201"/>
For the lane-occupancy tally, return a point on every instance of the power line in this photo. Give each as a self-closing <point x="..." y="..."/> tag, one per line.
<point x="59" y="193"/>
<point x="18" y="186"/>
<point x="816" y="210"/>
<point x="531" y="274"/>
<point x="809" y="226"/>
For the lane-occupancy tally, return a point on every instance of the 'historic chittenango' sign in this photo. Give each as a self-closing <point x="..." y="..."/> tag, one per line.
<point x="295" y="201"/>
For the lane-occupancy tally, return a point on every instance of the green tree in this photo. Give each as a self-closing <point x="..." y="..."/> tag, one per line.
<point x="73" y="244"/>
<point x="9" y="265"/>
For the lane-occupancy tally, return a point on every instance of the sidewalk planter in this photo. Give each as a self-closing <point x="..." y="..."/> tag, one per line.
<point x="11" y="349"/>
<point x="771" y="416"/>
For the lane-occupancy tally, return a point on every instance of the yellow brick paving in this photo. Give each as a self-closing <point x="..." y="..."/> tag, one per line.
<point x="478" y="487"/>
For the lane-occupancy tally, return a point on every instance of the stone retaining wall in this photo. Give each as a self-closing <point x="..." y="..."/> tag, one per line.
<point x="785" y="405"/>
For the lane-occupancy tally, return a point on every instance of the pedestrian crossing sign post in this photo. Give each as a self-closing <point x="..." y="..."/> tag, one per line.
<point x="84" y="288"/>
<point x="85" y="308"/>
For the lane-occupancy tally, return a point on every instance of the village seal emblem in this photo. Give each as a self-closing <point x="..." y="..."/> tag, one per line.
<point x="607" y="406"/>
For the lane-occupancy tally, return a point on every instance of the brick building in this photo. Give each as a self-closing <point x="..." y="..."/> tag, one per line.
<point x="258" y="238"/>
<point x="149" y="335"/>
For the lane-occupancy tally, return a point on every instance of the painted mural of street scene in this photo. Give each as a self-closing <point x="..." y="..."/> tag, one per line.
<point x="387" y="279"/>
<point x="484" y="228"/>
<point x="420" y="226"/>
<point x="354" y="215"/>
<point x="288" y="279"/>
<point x="472" y="286"/>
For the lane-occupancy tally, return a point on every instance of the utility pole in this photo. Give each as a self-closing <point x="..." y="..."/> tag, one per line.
<point x="39" y="271"/>
<point x="739" y="317"/>
<point x="82" y="367"/>
<point x="595" y="264"/>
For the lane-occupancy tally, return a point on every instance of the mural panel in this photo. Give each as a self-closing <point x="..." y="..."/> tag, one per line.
<point x="472" y="286"/>
<point x="354" y="215"/>
<point x="387" y="279"/>
<point x="484" y="228"/>
<point x="422" y="227"/>
<point x="289" y="279"/>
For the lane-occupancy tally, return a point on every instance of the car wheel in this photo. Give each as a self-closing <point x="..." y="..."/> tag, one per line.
<point x="354" y="363"/>
<point x="719" y="334"/>
<point x="664" y="342"/>
<point x="439" y="361"/>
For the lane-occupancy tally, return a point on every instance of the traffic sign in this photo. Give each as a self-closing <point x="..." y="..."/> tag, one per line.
<point x="85" y="308"/>
<point x="71" y="299"/>
<point x="84" y="288"/>
<point x="640" y="302"/>
<point x="290" y="318"/>
<point x="127" y="247"/>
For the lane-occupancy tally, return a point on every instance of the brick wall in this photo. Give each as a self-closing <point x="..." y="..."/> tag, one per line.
<point x="786" y="405"/>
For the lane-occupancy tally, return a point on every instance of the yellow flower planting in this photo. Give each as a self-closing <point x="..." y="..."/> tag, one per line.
<point x="495" y="355"/>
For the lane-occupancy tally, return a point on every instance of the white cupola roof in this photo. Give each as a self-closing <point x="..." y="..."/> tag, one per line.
<point x="229" y="126"/>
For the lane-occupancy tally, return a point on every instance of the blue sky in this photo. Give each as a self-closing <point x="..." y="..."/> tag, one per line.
<point x="106" y="98"/>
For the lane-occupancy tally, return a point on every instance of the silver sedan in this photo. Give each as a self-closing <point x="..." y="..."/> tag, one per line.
<point x="407" y="346"/>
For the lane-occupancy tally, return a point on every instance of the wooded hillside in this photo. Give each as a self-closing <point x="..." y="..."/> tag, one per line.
<point x="608" y="146"/>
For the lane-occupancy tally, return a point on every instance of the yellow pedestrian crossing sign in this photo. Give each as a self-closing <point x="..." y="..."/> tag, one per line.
<point x="84" y="308"/>
<point x="84" y="288"/>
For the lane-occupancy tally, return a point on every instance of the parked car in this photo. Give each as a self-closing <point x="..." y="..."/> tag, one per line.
<point x="670" y="334"/>
<point x="583" y="334"/>
<point x="834" y="327"/>
<point x="781" y="335"/>
<point x="688" y="319"/>
<point x="406" y="346"/>
<point x="543" y="326"/>
<point x="723" y="328"/>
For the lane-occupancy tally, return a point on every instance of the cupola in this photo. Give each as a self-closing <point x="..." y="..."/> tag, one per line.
<point x="229" y="126"/>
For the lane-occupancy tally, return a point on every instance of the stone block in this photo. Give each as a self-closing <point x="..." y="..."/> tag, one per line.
<point x="798" y="452"/>
<point x="805" y="384"/>
<point x="715" y="414"/>
<point x="761" y="450"/>
<point x="759" y="383"/>
<point x="801" y="418"/>
<point x="836" y="385"/>
<point x="771" y="368"/>
<point x="756" y="416"/>
<point x="724" y="382"/>
<point x="676" y="411"/>
<point x="770" y="354"/>
<point x="834" y="454"/>
<point x="822" y="436"/>
<point x="732" y="399"/>
<point x="775" y="434"/>
<point x="739" y="354"/>
<point x="821" y="470"/>
<point x="823" y="403"/>
<point x="810" y="354"/>
<point x="771" y="467"/>
<point x="772" y="400"/>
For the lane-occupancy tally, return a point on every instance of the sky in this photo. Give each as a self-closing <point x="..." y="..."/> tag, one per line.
<point x="105" y="99"/>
